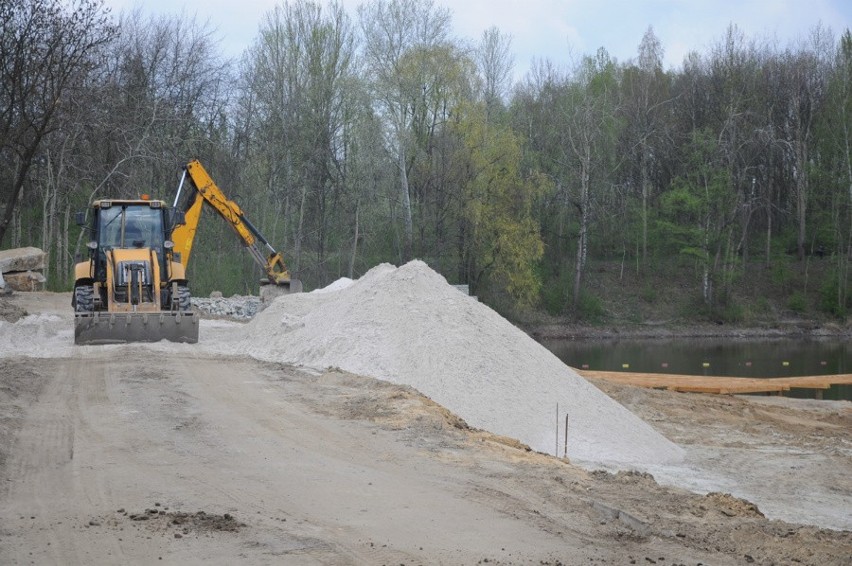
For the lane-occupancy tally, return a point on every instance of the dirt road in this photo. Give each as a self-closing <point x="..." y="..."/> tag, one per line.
<point x="195" y="435"/>
<point x="133" y="455"/>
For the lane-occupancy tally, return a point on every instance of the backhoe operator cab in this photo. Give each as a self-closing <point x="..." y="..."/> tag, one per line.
<point x="130" y="226"/>
<point x="132" y="288"/>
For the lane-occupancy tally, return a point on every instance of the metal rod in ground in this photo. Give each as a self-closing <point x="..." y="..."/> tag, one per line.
<point x="566" y="436"/>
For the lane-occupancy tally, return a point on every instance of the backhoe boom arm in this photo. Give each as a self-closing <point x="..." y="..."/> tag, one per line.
<point x="206" y="191"/>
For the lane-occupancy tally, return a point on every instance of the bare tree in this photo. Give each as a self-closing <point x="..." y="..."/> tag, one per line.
<point x="495" y="62"/>
<point x="392" y="28"/>
<point x="46" y="49"/>
<point x="806" y="90"/>
<point x="643" y="110"/>
<point x="588" y="128"/>
<point x="149" y="102"/>
<point x="297" y="73"/>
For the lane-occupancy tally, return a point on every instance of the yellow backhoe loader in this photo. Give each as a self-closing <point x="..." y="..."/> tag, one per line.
<point x="204" y="190"/>
<point x="132" y="288"/>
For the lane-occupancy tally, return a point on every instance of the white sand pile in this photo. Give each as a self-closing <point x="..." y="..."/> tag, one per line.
<point x="341" y="283"/>
<point x="407" y="325"/>
<point x="37" y="336"/>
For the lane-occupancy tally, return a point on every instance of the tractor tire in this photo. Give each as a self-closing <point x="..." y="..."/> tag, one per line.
<point x="84" y="299"/>
<point x="184" y="303"/>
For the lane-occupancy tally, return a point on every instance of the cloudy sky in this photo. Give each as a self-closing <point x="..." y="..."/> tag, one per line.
<point x="555" y="29"/>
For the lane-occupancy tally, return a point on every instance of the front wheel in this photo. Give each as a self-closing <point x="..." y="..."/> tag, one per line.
<point x="84" y="299"/>
<point x="183" y="298"/>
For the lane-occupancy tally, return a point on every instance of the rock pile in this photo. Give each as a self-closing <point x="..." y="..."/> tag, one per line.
<point x="21" y="269"/>
<point x="407" y="325"/>
<point x="237" y="306"/>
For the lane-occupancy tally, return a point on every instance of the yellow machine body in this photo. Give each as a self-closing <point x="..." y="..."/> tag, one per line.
<point x="131" y="289"/>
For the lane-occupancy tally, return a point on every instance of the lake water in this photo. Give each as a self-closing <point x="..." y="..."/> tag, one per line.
<point x="721" y="357"/>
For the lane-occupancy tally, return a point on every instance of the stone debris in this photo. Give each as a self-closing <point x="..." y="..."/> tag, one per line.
<point x="238" y="307"/>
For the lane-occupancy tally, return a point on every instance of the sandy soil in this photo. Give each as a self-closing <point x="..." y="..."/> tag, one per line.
<point x="131" y="454"/>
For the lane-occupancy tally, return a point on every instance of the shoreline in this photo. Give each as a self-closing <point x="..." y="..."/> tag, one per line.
<point x="804" y="329"/>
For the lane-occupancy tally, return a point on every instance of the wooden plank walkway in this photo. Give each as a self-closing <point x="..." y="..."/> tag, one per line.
<point x="720" y="385"/>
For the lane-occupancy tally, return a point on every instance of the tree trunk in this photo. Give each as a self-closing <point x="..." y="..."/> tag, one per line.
<point x="408" y="228"/>
<point x="579" y="264"/>
<point x="16" y="191"/>
<point x="769" y="225"/>
<point x="801" y="207"/>
<point x="63" y="255"/>
<point x="297" y="251"/>
<point x="354" y="242"/>
<point x="582" y="240"/>
<point x="645" y="197"/>
<point x="707" y="274"/>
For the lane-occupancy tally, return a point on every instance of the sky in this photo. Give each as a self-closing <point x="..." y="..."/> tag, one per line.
<point x="561" y="30"/>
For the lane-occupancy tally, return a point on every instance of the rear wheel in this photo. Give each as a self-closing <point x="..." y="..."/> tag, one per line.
<point x="84" y="298"/>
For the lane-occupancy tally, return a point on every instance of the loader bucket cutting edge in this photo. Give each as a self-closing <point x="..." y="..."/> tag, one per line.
<point x="121" y="328"/>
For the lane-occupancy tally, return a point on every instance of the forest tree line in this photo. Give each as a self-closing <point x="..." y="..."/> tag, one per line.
<point x="355" y="139"/>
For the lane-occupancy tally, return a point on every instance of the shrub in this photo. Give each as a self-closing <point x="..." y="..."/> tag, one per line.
<point x="797" y="302"/>
<point x="590" y="308"/>
<point x="828" y="297"/>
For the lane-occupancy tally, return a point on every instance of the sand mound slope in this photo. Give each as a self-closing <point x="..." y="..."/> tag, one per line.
<point x="408" y="325"/>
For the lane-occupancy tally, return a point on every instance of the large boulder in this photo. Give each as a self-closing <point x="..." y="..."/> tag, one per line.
<point x="25" y="281"/>
<point x="22" y="259"/>
<point x="20" y="269"/>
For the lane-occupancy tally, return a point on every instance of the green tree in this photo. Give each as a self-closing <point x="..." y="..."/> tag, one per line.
<point x="588" y="130"/>
<point x="645" y="101"/>
<point x="833" y="176"/>
<point x="807" y="73"/>
<point x="502" y="240"/>
<point x="443" y="74"/>
<point x="698" y="211"/>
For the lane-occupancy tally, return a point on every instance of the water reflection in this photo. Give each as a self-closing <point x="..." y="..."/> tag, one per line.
<point x="721" y="357"/>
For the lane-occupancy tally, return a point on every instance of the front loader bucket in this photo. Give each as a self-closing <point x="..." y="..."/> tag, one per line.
<point x="120" y="328"/>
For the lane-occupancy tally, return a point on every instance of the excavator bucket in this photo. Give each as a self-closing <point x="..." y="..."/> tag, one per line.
<point x="270" y="291"/>
<point x="119" y="328"/>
